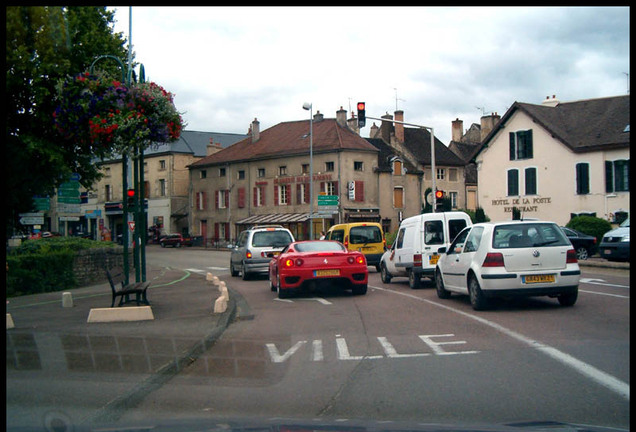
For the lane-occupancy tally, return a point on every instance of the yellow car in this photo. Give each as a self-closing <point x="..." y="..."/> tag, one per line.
<point x="365" y="237"/>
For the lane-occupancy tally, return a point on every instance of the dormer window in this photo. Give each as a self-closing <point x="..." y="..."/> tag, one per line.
<point x="397" y="167"/>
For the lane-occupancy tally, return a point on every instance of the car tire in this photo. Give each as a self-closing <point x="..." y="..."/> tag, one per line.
<point x="282" y="294"/>
<point x="163" y="245"/>
<point x="477" y="299"/>
<point x="568" y="299"/>
<point x="233" y="271"/>
<point x="272" y="287"/>
<point x="582" y="254"/>
<point x="442" y="292"/>
<point x="245" y="275"/>
<point x="384" y="274"/>
<point x="377" y="268"/>
<point x="415" y="281"/>
<point x="359" y="289"/>
<point x="177" y="245"/>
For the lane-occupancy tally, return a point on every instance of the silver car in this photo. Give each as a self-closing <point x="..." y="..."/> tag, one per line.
<point x="509" y="259"/>
<point x="255" y="248"/>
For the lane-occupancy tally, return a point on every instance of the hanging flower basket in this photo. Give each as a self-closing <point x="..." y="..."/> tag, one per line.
<point x="106" y="117"/>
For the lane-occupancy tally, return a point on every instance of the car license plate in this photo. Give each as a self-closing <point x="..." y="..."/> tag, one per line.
<point x="332" y="272"/>
<point x="538" y="279"/>
<point x="433" y="259"/>
<point x="608" y="251"/>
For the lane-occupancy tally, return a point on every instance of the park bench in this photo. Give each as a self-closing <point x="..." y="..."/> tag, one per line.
<point x="116" y="278"/>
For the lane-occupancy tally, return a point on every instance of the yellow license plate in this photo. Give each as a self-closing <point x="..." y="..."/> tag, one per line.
<point x="433" y="259"/>
<point x="539" y="279"/>
<point x="333" y="272"/>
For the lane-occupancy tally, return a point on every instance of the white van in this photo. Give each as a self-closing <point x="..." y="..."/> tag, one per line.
<point x="414" y="252"/>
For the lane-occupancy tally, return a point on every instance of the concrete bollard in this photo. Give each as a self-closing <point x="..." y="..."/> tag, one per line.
<point x="208" y="277"/>
<point x="67" y="299"/>
<point x="215" y="280"/>
<point x="220" y="305"/>
<point x="224" y="293"/>
<point x="10" y="323"/>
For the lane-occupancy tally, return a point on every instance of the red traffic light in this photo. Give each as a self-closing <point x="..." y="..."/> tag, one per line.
<point x="360" y="106"/>
<point x="362" y="117"/>
<point x="439" y="194"/>
<point x="130" y="193"/>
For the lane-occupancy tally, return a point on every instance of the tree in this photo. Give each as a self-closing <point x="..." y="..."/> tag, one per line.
<point x="44" y="45"/>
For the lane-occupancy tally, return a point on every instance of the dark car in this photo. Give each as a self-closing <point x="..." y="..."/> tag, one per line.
<point x="175" y="240"/>
<point x="584" y="244"/>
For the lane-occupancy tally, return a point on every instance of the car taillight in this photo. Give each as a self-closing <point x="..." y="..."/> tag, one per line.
<point x="289" y="262"/>
<point x="299" y="262"/>
<point x="346" y="242"/>
<point x="571" y="257"/>
<point x="417" y="260"/>
<point x="493" y="259"/>
<point x="361" y="260"/>
<point x="356" y="260"/>
<point x="248" y="254"/>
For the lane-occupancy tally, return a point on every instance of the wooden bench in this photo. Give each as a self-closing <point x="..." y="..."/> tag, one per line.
<point x="116" y="278"/>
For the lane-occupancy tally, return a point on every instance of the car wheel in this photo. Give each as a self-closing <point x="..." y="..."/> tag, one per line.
<point x="582" y="254"/>
<point x="245" y="274"/>
<point x="568" y="299"/>
<point x="442" y="292"/>
<point x="233" y="271"/>
<point x="282" y="294"/>
<point x="384" y="274"/>
<point x="271" y="284"/>
<point x="414" y="280"/>
<point x="377" y="268"/>
<point x="477" y="299"/>
<point x="177" y="245"/>
<point x="163" y="245"/>
<point x="359" y="289"/>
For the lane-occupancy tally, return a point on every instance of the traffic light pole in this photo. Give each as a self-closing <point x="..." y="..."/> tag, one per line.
<point x="433" y="172"/>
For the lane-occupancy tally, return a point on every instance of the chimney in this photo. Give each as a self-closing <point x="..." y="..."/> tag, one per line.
<point x="353" y="124"/>
<point x="341" y="117"/>
<point x="386" y="127"/>
<point x="213" y="147"/>
<point x="399" y="127"/>
<point x="457" y="130"/>
<point x="550" y="102"/>
<point x="318" y="117"/>
<point x="255" y="130"/>
<point x="488" y="123"/>
<point x="374" y="131"/>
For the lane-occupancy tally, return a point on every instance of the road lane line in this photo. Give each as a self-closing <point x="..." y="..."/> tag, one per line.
<point x="605" y="294"/>
<point x="604" y="379"/>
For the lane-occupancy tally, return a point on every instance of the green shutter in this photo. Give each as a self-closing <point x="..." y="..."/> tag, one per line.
<point x="609" y="177"/>
<point x="513" y="154"/>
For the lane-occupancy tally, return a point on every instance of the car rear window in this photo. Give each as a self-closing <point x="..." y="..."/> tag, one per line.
<point x="320" y="246"/>
<point x="365" y="234"/>
<point x="528" y="235"/>
<point x="271" y="239"/>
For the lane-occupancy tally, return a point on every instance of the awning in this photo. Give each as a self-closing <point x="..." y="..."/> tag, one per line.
<point x="274" y="218"/>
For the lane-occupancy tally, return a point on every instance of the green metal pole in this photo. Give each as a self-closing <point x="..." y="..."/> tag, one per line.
<point x="136" y="216"/>
<point x="124" y="234"/>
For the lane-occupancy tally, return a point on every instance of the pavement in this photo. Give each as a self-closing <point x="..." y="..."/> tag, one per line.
<point x="57" y="341"/>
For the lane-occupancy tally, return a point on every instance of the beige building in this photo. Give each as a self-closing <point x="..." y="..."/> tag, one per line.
<point x="556" y="160"/>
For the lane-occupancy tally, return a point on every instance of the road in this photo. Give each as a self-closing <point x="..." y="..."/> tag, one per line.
<point x="402" y="354"/>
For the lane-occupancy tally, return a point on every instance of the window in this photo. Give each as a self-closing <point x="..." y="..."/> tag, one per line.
<point x="358" y="166"/>
<point x="222" y="199"/>
<point x="398" y="197"/>
<point x="582" y="178"/>
<point x="240" y="175"/>
<point x="474" y="239"/>
<point x="453" y="199"/>
<point x="513" y="182"/>
<point x="200" y="199"/>
<point x="282" y="194"/>
<point x="282" y="170"/>
<point x="329" y="166"/>
<point x="521" y="145"/>
<point x="108" y="192"/>
<point x="221" y="172"/>
<point x="259" y="196"/>
<point x="305" y="168"/>
<point x="107" y="172"/>
<point x="203" y="174"/>
<point x="162" y="165"/>
<point x="330" y="188"/>
<point x="617" y="176"/>
<point x="260" y="173"/>
<point x="302" y="193"/>
<point x="162" y="187"/>
<point x="397" y="167"/>
<point x="531" y="181"/>
<point x="441" y="173"/>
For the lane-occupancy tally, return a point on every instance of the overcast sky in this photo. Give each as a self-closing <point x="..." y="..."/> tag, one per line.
<point x="229" y="65"/>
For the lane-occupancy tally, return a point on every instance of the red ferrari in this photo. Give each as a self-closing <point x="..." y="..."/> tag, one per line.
<point x="314" y="264"/>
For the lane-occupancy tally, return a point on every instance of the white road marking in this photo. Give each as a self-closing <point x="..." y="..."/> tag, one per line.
<point x="604" y="379"/>
<point x="605" y="294"/>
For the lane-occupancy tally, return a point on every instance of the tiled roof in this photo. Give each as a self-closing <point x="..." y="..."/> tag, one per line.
<point x="418" y="141"/>
<point x="290" y="138"/>
<point x="386" y="154"/>
<point x="586" y="125"/>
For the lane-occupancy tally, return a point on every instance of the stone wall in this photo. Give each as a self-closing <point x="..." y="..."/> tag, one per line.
<point x="90" y="265"/>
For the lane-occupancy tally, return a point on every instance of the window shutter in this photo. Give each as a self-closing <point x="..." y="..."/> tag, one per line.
<point x="582" y="179"/>
<point x="216" y="200"/>
<point x="359" y="190"/>
<point x="289" y="198"/>
<point x="529" y="153"/>
<point x="227" y="231"/>
<point x="255" y="197"/>
<point x="513" y="182"/>
<point x="299" y="198"/>
<point x="227" y="198"/>
<point x="216" y="230"/>
<point x="531" y="181"/>
<point x="275" y="195"/>
<point x="513" y="153"/>
<point x="241" y="198"/>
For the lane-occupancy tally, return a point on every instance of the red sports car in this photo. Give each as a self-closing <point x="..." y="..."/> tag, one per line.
<point x="313" y="264"/>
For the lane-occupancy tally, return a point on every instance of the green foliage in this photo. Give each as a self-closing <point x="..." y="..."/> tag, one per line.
<point x="45" y="265"/>
<point x="477" y="216"/>
<point x="390" y="238"/>
<point x="590" y="225"/>
<point x="43" y="45"/>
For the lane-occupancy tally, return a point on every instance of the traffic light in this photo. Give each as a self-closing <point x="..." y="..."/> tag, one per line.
<point x="362" y="119"/>
<point x="439" y="194"/>
<point x="439" y="201"/>
<point x="130" y="198"/>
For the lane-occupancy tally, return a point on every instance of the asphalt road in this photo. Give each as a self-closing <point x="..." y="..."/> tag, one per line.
<point x="401" y="354"/>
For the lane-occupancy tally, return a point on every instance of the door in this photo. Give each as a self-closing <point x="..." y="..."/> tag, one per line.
<point x="454" y="265"/>
<point x="392" y="264"/>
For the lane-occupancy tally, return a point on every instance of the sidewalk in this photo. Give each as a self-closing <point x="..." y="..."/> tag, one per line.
<point x="61" y="347"/>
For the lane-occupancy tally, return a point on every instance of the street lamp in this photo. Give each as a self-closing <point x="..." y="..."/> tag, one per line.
<point x="309" y="107"/>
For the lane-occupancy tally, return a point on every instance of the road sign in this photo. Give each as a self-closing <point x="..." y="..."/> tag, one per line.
<point x="328" y="200"/>
<point x="32" y="220"/>
<point x="131" y="225"/>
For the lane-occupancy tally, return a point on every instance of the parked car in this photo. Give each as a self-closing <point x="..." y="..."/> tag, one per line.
<point x="615" y="243"/>
<point x="314" y="264"/>
<point x="414" y="253"/>
<point x="255" y="248"/>
<point x="365" y="237"/>
<point x="174" y="240"/>
<point x="584" y="244"/>
<point x="509" y="259"/>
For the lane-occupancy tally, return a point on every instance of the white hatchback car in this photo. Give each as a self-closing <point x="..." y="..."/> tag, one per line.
<point x="509" y="259"/>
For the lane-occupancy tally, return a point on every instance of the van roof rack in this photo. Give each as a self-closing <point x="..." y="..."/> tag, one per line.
<point x="265" y="226"/>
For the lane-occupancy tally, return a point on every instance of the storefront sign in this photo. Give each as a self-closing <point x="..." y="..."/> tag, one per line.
<point x="525" y="205"/>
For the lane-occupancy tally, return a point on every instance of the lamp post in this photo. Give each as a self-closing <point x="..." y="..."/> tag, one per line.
<point x="308" y="106"/>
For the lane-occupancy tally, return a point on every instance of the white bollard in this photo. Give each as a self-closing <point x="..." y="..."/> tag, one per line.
<point x="208" y="277"/>
<point x="224" y="293"/>
<point x="220" y="305"/>
<point x="10" y="323"/>
<point x="67" y="300"/>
